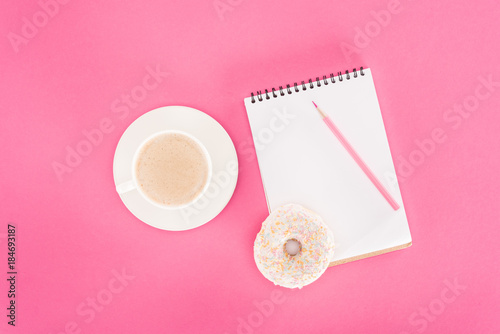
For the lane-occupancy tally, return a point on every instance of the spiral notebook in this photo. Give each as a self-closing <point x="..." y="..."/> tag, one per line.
<point x="302" y="162"/>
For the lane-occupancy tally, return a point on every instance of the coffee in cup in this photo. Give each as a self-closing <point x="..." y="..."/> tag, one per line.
<point x="172" y="169"/>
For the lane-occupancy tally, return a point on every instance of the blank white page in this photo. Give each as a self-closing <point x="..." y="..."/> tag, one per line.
<point x="301" y="161"/>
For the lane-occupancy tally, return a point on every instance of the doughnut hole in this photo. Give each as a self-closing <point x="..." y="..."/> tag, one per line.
<point x="292" y="247"/>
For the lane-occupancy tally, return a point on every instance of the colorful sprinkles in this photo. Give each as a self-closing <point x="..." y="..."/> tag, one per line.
<point x="287" y="222"/>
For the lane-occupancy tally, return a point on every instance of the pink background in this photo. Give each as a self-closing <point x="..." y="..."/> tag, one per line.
<point x="72" y="233"/>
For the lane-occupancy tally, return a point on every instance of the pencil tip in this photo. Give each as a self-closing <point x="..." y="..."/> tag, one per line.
<point x="314" y="104"/>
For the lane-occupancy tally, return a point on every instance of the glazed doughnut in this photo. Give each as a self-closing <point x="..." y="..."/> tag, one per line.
<point x="294" y="246"/>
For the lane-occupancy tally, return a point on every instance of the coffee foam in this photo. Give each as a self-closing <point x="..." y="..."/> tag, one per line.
<point x="172" y="169"/>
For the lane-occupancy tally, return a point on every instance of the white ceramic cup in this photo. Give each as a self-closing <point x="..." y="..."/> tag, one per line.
<point x="133" y="184"/>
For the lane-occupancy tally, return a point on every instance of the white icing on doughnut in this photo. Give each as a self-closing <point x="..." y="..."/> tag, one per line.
<point x="293" y="229"/>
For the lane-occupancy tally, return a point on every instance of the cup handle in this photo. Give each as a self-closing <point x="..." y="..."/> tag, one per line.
<point x="125" y="187"/>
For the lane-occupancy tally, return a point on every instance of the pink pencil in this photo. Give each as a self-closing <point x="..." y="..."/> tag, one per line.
<point x="358" y="159"/>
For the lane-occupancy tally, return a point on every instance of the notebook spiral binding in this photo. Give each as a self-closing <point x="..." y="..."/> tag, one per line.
<point x="311" y="83"/>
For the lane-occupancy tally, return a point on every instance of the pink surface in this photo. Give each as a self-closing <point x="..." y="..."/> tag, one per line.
<point x="431" y="62"/>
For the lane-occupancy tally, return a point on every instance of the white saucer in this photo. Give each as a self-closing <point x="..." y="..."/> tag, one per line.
<point x="224" y="167"/>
